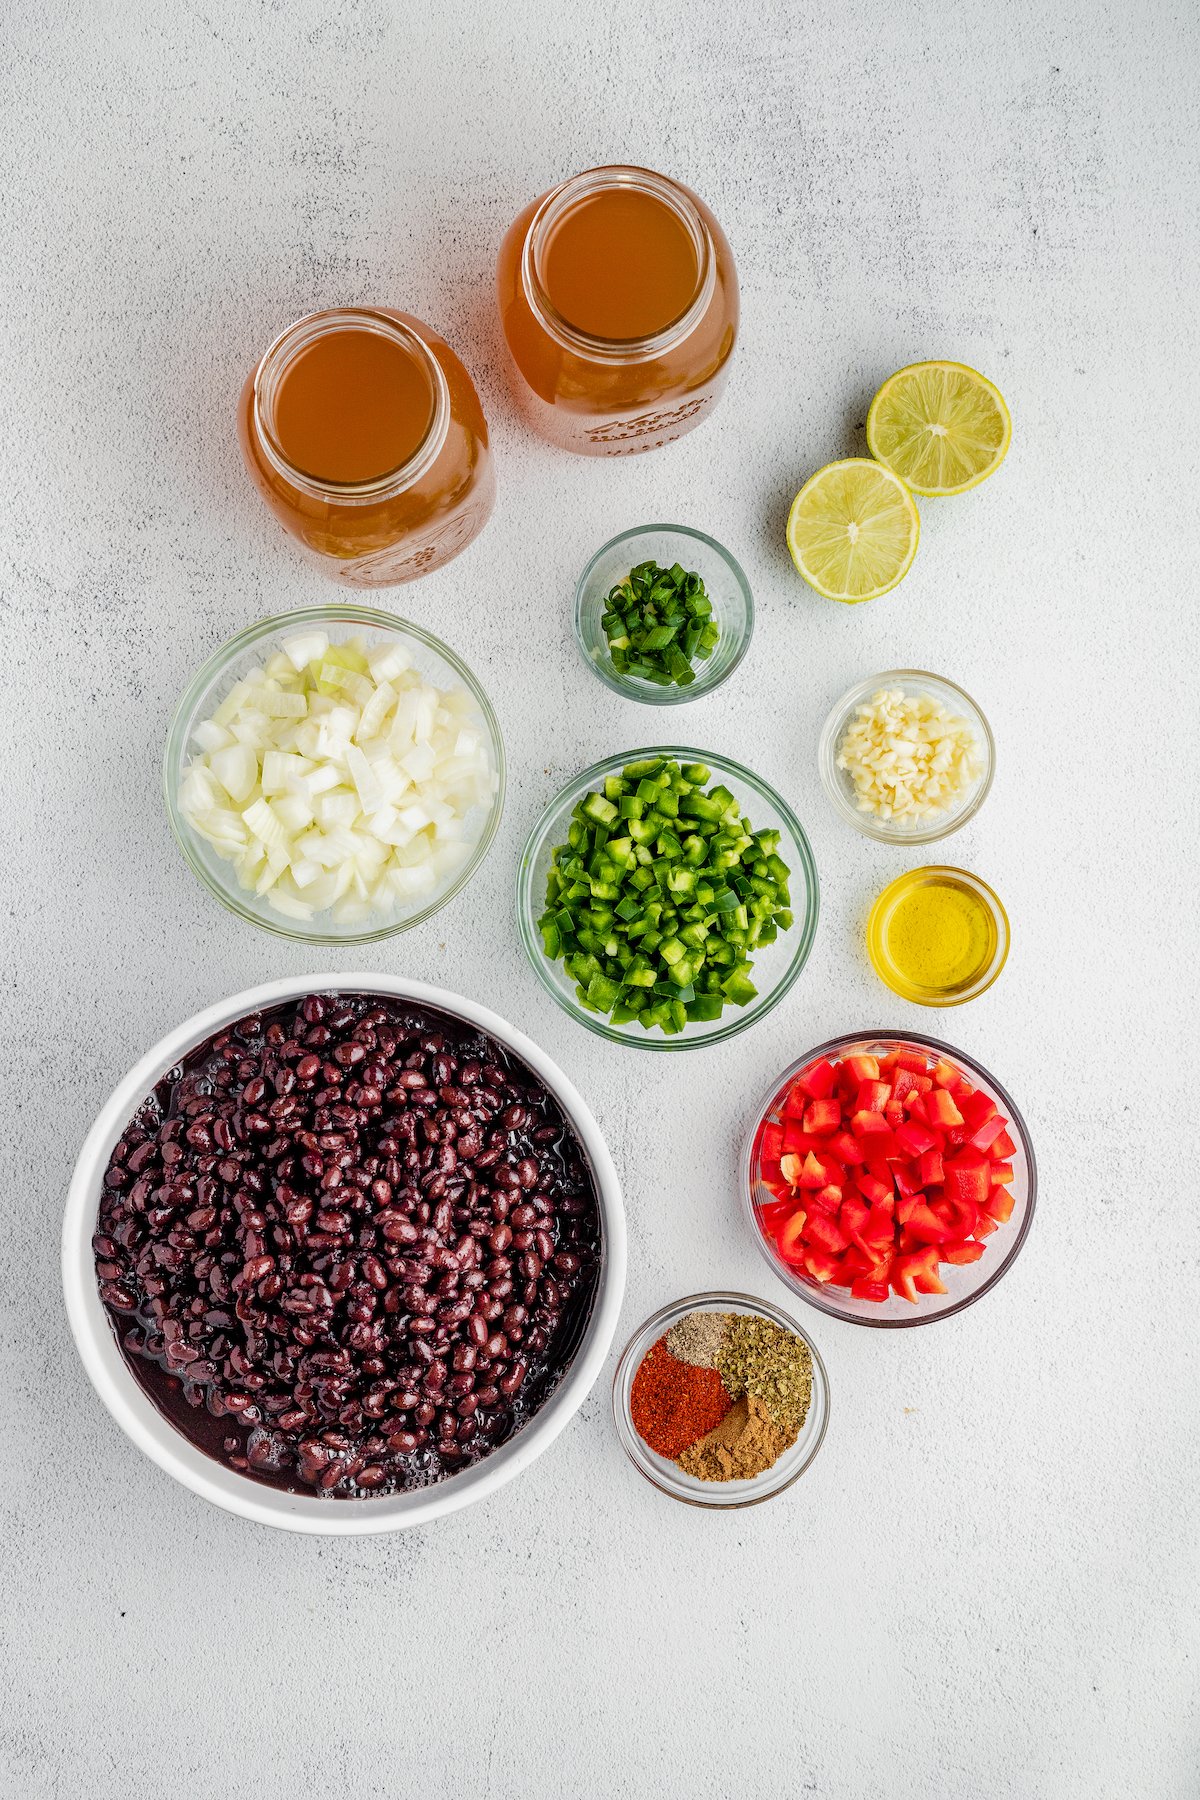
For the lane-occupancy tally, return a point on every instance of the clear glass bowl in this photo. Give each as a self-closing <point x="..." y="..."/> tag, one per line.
<point x="727" y="587"/>
<point x="250" y="649"/>
<point x="894" y="977"/>
<point x="775" y="968"/>
<point x="667" y="1476"/>
<point x="967" y="1282"/>
<point x="840" y="787"/>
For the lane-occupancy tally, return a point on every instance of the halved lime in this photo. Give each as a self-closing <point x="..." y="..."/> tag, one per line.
<point x="943" y="428"/>
<point x="853" y="530"/>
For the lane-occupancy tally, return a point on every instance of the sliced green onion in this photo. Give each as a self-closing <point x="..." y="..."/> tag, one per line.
<point x="658" y="624"/>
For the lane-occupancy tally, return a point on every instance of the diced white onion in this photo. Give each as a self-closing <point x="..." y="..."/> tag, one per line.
<point x="336" y="776"/>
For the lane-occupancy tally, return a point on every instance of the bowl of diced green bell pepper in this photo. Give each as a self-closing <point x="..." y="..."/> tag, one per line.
<point x="667" y="898"/>
<point x="663" y="614"/>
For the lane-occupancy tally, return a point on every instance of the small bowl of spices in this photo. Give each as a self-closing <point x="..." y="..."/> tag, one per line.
<point x="721" y="1400"/>
<point x="663" y="614"/>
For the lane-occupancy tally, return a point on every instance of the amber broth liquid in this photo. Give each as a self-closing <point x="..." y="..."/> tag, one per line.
<point x="352" y="407"/>
<point x="620" y="265"/>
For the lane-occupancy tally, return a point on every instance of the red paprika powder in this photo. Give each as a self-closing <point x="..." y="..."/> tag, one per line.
<point x="673" y="1403"/>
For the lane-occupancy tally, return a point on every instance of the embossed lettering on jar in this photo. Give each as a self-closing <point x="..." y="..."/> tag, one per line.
<point x="364" y="434"/>
<point x="619" y="300"/>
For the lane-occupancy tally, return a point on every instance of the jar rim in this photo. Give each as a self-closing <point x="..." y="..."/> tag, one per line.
<point x="278" y="359"/>
<point x="550" y="211"/>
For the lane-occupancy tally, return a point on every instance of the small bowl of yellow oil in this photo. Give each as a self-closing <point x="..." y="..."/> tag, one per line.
<point x="938" y="936"/>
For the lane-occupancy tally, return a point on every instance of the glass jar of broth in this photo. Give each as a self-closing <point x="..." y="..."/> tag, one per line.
<point x="364" y="435"/>
<point x="619" y="301"/>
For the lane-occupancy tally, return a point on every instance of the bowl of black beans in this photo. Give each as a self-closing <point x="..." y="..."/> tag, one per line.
<point x="344" y="1253"/>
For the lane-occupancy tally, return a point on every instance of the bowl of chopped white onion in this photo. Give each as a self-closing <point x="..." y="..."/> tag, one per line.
<point x="906" y="757"/>
<point x="335" y="774"/>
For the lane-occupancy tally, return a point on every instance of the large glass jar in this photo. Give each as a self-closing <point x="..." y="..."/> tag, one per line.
<point x="619" y="300"/>
<point x="364" y="434"/>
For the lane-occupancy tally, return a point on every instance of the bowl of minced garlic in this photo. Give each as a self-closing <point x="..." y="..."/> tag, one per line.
<point x="721" y="1400"/>
<point x="907" y="757"/>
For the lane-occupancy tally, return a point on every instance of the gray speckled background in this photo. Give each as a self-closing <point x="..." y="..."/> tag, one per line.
<point x="987" y="1585"/>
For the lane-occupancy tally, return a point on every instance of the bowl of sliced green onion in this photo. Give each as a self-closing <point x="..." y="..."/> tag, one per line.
<point x="667" y="898"/>
<point x="663" y="614"/>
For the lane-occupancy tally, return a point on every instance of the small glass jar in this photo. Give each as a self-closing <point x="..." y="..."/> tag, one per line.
<point x="384" y="528"/>
<point x="584" y="384"/>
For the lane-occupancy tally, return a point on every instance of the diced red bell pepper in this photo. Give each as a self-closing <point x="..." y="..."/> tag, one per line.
<point x="907" y="1082"/>
<point x="906" y="1179"/>
<point x="861" y="1068"/>
<point x="790" y="1168"/>
<point x="879" y="1228"/>
<point x="913" y="1060"/>
<point x="1001" y="1174"/>
<point x="916" y="1273"/>
<point x="961" y="1251"/>
<point x="918" y="1107"/>
<point x="904" y="1277"/>
<point x="824" y="1231"/>
<point x="940" y="1108"/>
<point x="914" y="1138"/>
<point x="925" y="1225"/>
<point x="854" y="1263"/>
<point x="930" y="1169"/>
<point x="872" y="1096"/>
<point x="866" y="1125"/>
<point x="772" y="1215"/>
<point x="976" y="1110"/>
<point x="1003" y="1145"/>
<point x="999" y="1204"/>
<point x="770" y="1144"/>
<point x="797" y="1141"/>
<point x="818" y="1080"/>
<point x="894" y="1114"/>
<point x="962" y="1091"/>
<point x="867" y="1289"/>
<point x="967" y="1178"/>
<point x="986" y="1134"/>
<point x="812" y="1173"/>
<point x="853" y="1215"/>
<point x="986" y="1225"/>
<point x="846" y="1147"/>
<point x="820" y="1265"/>
<point x="872" y="1189"/>
<point x="822" y="1117"/>
<point x="904" y="1208"/>
<point x="828" y="1199"/>
<point x="794" y="1105"/>
<point x="945" y="1075"/>
<point x="790" y="1237"/>
<point x="960" y="1217"/>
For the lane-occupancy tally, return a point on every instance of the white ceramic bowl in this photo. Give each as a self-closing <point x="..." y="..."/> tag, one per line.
<point x="140" y="1419"/>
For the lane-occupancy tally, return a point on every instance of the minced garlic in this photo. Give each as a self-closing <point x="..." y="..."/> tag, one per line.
<point x="909" y="757"/>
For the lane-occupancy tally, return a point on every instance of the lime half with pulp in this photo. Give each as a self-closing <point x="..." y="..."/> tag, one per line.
<point x="943" y="428"/>
<point x="853" y="530"/>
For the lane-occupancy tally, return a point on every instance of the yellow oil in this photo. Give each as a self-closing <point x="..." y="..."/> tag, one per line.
<point x="937" y="936"/>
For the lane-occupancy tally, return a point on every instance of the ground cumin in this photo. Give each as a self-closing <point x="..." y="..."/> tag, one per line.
<point x="746" y="1442"/>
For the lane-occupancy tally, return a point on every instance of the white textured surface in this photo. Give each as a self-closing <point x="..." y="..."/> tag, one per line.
<point x="987" y="1585"/>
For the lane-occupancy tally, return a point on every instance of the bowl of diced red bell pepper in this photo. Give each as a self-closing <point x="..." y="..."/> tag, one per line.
<point x="890" y="1180"/>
